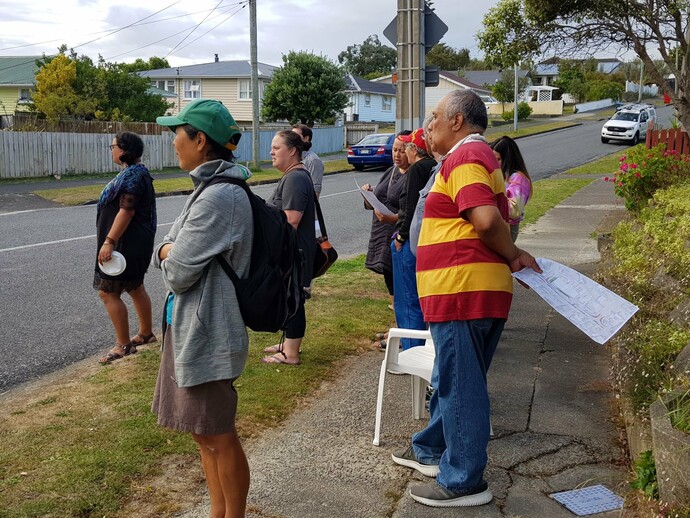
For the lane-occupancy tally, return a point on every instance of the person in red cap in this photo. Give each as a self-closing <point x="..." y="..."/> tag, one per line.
<point x="408" y="313"/>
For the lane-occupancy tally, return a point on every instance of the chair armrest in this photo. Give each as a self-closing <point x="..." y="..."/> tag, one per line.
<point x="396" y="332"/>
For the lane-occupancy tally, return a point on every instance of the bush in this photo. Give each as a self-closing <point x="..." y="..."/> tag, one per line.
<point x="524" y="111"/>
<point x="644" y="171"/>
<point x="597" y="90"/>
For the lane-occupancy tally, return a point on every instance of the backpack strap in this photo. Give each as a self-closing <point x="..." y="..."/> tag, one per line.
<point x="242" y="183"/>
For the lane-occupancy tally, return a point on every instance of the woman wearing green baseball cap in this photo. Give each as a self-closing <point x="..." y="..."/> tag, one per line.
<point x="205" y="342"/>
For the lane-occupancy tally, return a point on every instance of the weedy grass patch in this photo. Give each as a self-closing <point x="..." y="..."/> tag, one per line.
<point x="90" y="445"/>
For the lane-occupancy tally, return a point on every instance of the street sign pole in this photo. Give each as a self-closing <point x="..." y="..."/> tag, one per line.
<point x="414" y="31"/>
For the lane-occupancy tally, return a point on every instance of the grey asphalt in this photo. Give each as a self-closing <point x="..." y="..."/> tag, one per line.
<point x="553" y="412"/>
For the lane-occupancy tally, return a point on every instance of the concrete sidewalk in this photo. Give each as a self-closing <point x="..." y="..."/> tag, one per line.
<point x="553" y="412"/>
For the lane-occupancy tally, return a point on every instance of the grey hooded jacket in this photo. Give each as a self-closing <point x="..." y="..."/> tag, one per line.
<point x="209" y="337"/>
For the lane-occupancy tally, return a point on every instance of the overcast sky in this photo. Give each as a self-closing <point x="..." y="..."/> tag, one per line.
<point x="324" y="27"/>
<point x="159" y="27"/>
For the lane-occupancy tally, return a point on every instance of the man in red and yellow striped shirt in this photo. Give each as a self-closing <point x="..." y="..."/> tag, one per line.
<point x="464" y="261"/>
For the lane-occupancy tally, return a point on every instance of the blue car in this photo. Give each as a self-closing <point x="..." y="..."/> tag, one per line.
<point x="372" y="151"/>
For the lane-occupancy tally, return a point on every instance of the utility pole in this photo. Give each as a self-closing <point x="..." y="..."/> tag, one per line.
<point x="411" y="64"/>
<point x="515" y="100"/>
<point x="253" y="56"/>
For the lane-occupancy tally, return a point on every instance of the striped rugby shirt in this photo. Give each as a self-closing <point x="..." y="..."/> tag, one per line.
<point x="458" y="276"/>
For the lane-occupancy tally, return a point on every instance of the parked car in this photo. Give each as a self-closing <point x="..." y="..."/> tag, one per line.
<point x="372" y="151"/>
<point x="630" y="123"/>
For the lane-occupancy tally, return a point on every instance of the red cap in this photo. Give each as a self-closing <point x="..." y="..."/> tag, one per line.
<point x="416" y="138"/>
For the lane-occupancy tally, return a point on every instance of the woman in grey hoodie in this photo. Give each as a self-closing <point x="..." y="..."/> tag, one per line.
<point x="205" y="342"/>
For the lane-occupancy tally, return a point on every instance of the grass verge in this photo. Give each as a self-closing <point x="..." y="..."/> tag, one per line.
<point x="81" y="448"/>
<point x="606" y="165"/>
<point x="550" y="192"/>
<point x="89" y="193"/>
<point x="494" y="132"/>
<point x="89" y="446"/>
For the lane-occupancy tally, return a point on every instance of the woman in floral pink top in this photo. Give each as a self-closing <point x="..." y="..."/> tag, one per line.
<point x="518" y="182"/>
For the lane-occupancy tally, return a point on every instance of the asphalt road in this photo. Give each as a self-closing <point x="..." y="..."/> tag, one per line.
<point x="51" y="317"/>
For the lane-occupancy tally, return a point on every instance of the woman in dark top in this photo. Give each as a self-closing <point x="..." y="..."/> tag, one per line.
<point x="294" y="195"/>
<point x="126" y="222"/>
<point x="388" y="192"/>
<point x="408" y="313"/>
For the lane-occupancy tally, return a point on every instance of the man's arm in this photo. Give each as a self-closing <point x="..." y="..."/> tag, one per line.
<point x="493" y="232"/>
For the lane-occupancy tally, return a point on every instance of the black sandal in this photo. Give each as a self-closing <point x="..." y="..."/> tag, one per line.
<point x="144" y="339"/>
<point x="111" y="356"/>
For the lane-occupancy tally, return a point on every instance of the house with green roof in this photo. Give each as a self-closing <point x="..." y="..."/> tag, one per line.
<point x="17" y="78"/>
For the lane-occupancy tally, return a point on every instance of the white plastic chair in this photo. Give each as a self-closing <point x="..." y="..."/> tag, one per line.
<point x="416" y="361"/>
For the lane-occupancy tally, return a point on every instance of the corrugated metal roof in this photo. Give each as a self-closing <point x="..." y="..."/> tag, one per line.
<point x="547" y="70"/>
<point x="18" y="70"/>
<point x="213" y="69"/>
<point x="357" y="84"/>
<point x="462" y="81"/>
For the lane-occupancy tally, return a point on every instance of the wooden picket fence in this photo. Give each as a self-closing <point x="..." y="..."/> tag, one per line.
<point x="675" y="139"/>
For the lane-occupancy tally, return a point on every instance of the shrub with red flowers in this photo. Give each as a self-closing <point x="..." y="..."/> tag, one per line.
<point x="642" y="171"/>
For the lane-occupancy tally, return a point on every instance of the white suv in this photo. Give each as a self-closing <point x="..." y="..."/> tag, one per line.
<point x="629" y="123"/>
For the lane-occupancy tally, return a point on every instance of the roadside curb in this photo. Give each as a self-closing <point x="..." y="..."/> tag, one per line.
<point x="186" y="192"/>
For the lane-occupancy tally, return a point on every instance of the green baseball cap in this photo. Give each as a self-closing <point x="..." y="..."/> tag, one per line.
<point x="209" y="116"/>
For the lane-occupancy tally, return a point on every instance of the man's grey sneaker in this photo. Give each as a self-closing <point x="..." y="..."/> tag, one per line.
<point x="406" y="457"/>
<point x="436" y="496"/>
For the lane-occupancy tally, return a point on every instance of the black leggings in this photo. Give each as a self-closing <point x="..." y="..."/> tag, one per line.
<point x="388" y="279"/>
<point x="297" y="325"/>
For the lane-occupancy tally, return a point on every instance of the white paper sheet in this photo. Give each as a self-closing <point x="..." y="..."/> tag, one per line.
<point x="374" y="201"/>
<point x="594" y="309"/>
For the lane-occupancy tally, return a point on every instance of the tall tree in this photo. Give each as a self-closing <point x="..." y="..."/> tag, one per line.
<point x="306" y="89"/>
<point x="568" y="26"/>
<point x="153" y="63"/>
<point x="54" y="94"/>
<point x="104" y="91"/>
<point x="504" y="89"/>
<point x="448" y="58"/>
<point x="368" y="58"/>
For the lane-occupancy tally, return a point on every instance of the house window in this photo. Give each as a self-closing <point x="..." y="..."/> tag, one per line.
<point x="386" y="103"/>
<point x="168" y="86"/>
<point x="367" y="100"/>
<point x="245" y="90"/>
<point x="192" y="89"/>
<point x="24" y="96"/>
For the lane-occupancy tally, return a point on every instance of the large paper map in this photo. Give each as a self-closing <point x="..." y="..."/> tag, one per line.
<point x="594" y="309"/>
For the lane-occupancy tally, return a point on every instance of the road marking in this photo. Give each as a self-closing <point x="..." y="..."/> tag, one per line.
<point x="59" y="241"/>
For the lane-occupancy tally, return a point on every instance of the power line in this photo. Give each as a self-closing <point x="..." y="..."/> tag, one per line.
<point x="136" y="24"/>
<point x="195" y="28"/>
<point x="214" y="27"/>
<point x="127" y="26"/>
<point x="96" y="39"/>
<point x="239" y="4"/>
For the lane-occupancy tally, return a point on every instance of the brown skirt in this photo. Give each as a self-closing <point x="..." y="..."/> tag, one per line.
<point x="206" y="409"/>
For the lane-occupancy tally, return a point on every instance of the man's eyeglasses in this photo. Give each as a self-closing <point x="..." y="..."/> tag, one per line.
<point x="111" y="146"/>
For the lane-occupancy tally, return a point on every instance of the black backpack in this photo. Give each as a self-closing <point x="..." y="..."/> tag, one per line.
<point x="272" y="291"/>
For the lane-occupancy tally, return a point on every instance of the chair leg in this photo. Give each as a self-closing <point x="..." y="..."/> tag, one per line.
<point x="379" y="404"/>
<point x="418" y="394"/>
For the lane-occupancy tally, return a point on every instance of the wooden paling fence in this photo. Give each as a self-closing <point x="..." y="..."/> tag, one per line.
<point x="675" y="139"/>
<point x="26" y="154"/>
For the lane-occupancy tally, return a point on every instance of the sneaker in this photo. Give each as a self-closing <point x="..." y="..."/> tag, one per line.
<point x="406" y="457"/>
<point x="436" y="496"/>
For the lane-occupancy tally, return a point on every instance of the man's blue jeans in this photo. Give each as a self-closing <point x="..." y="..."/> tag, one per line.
<point x="457" y="435"/>
<point x="408" y="313"/>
